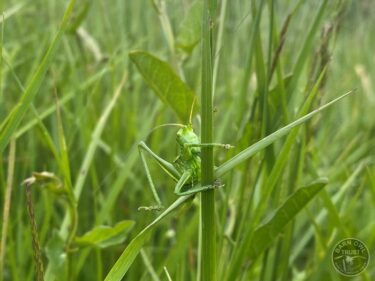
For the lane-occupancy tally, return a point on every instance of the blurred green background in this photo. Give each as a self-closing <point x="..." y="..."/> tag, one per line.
<point x="83" y="76"/>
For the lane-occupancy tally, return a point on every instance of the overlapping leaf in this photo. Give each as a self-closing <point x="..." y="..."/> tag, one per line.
<point x="166" y="84"/>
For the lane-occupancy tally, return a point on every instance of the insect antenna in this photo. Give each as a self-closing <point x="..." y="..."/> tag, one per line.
<point x="162" y="126"/>
<point x="191" y="110"/>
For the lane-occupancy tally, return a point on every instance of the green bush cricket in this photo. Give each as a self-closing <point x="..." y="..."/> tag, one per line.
<point x="186" y="168"/>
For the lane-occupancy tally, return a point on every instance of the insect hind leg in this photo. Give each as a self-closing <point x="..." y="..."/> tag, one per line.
<point x="165" y="165"/>
<point x="198" y="188"/>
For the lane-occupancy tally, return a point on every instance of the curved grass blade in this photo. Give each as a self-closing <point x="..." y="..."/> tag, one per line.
<point x="117" y="186"/>
<point x="14" y="118"/>
<point x="166" y="84"/>
<point x="263" y="236"/>
<point x="78" y="186"/>
<point x="251" y="150"/>
<point x="306" y="49"/>
<point x="267" y="232"/>
<point x="52" y="108"/>
<point x="336" y="198"/>
<point x="89" y="156"/>
<point x="7" y="204"/>
<point x="284" y="153"/>
<point x="126" y="259"/>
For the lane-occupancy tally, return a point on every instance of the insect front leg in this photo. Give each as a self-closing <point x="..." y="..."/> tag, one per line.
<point x="165" y="165"/>
<point x="221" y="145"/>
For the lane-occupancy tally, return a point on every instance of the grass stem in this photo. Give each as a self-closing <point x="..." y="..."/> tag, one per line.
<point x="7" y="202"/>
<point x="208" y="230"/>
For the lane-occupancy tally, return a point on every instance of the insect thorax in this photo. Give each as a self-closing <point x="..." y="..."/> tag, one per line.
<point x="188" y="158"/>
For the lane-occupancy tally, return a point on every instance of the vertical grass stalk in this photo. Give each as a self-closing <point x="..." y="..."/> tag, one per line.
<point x="34" y="234"/>
<point x="7" y="202"/>
<point x="208" y="230"/>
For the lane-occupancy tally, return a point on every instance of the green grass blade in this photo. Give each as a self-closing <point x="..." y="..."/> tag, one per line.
<point x="249" y="60"/>
<point x="207" y="245"/>
<point x="267" y="232"/>
<point x="189" y="32"/>
<point x="65" y="99"/>
<point x="95" y="137"/>
<point x="130" y="161"/>
<point x="7" y="204"/>
<point x="161" y="10"/>
<point x="371" y="177"/>
<point x="63" y="149"/>
<point x="81" y="13"/>
<point x="284" y="153"/>
<point x="278" y="166"/>
<point x="338" y="197"/>
<point x="33" y="86"/>
<point x="161" y="78"/>
<point x="151" y="271"/>
<point x="78" y="186"/>
<point x="11" y="11"/>
<point x="251" y="150"/>
<point x="103" y="236"/>
<point x="263" y="236"/>
<point x="308" y="43"/>
<point x="182" y="244"/>
<point x="126" y="259"/>
<point x="118" y="185"/>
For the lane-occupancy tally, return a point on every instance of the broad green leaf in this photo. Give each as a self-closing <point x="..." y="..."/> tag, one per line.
<point x="126" y="259"/>
<point x="267" y="232"/>
<point x="162" y="79"/>
<point x="190" y="29"/>
<point x="105" y="236"/>
<point x="256" y="147"/>
<point x="14" y="118"/>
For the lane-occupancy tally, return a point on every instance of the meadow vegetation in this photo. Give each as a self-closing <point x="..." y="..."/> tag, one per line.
<point x="82" y="83"/>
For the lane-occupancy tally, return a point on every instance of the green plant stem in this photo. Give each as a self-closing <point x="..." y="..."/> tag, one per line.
<point x="208" y="230"/>
<point x="7" y="202"/>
